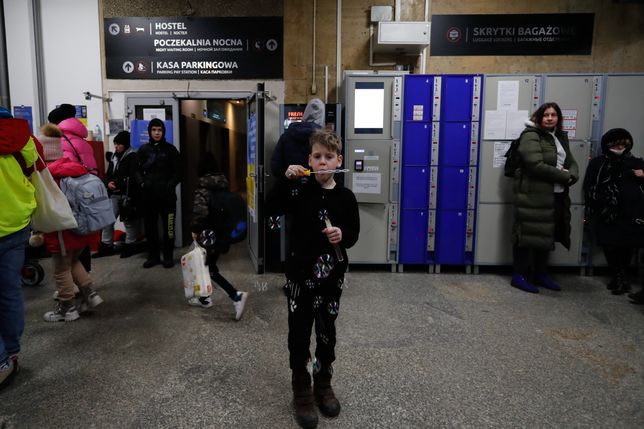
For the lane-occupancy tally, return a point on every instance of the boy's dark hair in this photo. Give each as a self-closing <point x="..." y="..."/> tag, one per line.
<point x="328" y="139"/>
<point x="537" y="116"/>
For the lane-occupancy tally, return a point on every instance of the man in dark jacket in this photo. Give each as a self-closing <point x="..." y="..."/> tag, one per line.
<point x="159" y="174"/>
<point x="293" y="145"/>
<point x="123" y="188"/>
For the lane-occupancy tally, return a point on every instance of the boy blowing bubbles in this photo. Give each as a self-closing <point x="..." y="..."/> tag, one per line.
<point x="325" y="223"/>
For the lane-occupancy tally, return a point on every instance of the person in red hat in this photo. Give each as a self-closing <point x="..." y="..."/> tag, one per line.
<point x="18" y="157"/>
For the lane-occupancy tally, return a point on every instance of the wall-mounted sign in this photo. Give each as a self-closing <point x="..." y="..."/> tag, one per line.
<point x="24" y="112"/>
<point x="194" y="48"/>
<point x="535" y="34"/>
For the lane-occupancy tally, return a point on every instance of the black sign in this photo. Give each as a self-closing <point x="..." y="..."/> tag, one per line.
<point x="538" y="34"/>
<point x="194" y="48"/>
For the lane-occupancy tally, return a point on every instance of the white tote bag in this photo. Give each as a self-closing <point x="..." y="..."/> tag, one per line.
<point x="52" y="211"/>
<point x="196" y="278"/>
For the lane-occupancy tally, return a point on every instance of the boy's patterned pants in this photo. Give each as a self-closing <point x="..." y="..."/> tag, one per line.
<point x="312" y="301"/>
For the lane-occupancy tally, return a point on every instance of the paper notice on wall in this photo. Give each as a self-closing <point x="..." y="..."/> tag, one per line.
<point x="507" y="96"/>
<point x="149" y="114"/>
<point x="367" y="183"/>
<point x="418" y="112"/>
<point x="495" y="123"/>
<point x="569" y="122"/>
<point x="515" y="123"/>
<point x="500" y="149"/>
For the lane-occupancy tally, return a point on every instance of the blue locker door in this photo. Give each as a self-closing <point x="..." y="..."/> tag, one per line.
<point x="454" y="143"/>
<point x="450" y="236"/>
<point x="415" y="183"/>
<point x="456" y="103"/>
<point x="416" y="143"/>
<point x="418" y="97"/>
<point x="452" y="188"/>
<point x="413" y="237"/>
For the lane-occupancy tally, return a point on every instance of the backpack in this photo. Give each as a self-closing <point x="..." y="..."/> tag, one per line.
<point x="512" y="159"/>
<point x="89" y="201"/>
<point x="227" y="216"/>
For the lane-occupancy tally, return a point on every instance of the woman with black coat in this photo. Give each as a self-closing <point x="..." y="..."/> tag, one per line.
<point x="123" y="188"/>
<point x="614" y="190"/>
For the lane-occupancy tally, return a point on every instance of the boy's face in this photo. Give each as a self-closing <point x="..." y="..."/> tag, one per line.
<point x="156" y="133"/>
<point x="321" y="158"/>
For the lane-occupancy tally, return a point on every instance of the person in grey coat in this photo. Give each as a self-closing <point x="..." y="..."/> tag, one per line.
<point x="293" y="146"/>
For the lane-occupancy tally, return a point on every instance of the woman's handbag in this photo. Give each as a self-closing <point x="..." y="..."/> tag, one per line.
<point x="127" y="205"/>
<point x="196" y="277"/>
<point x="53" y="212"/>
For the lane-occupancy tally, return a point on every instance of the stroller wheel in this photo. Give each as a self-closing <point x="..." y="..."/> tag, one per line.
<point x="32" y="273"/>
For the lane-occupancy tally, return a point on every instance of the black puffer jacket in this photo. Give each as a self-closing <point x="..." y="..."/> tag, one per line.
<point x="123" y="168"/>
<point x="159" y="169"/>
<point x="615" y="198"/>
<point x="304" y="203"/>
<point x="292" y="148"/>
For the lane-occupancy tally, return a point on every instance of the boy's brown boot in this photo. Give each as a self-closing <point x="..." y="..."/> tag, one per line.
<point x="324" y="396"/>
<point x="305" y="413"/>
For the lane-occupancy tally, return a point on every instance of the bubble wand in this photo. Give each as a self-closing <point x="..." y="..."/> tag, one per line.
<point x="338" y="252"/>
<point x="309" y="172"/>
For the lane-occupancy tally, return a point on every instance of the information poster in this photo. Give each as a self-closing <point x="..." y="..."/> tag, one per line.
<point x="26" y="113"/>
<point x="367" y="183"/>
<point x="569" y="123"/>
<point x="194" y="47"/>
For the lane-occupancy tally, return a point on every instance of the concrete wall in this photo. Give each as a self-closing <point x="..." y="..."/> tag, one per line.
<point x="77" y="25"/>
<point x="618" y="40"/>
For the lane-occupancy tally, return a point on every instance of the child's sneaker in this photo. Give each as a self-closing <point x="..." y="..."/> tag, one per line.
<point x="203" y="301"/>
<point x="89" y="299"/>
<point x="240" y="304"/>
<point x="65" y="310"/>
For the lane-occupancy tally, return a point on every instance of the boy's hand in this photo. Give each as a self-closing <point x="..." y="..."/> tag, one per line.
<point x="333" y="233"/>
<point x="638" y="173"/>
<point x="294" y="171"/>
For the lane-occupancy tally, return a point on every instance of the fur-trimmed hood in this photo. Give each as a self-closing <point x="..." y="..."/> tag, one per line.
<point x="51" y="130"/>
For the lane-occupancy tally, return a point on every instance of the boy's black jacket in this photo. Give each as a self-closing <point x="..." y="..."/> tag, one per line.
<point x="305" y="204"/>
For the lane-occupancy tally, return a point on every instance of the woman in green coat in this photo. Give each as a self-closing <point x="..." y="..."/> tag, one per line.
<point x="541" y="201"/>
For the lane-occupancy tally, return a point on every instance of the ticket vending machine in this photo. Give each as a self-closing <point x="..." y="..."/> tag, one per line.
<point x="373" y="143"/>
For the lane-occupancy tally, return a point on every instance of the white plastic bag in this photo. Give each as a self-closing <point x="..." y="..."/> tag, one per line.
<point x="53" y="212"/>
<point x="196" y="278"/>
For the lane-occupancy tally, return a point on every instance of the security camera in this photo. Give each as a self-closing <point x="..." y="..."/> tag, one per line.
<point x="88" y="96"/>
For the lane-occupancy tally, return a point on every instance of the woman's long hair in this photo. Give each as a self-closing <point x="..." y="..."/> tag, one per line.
<point x="537" y="116"/>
